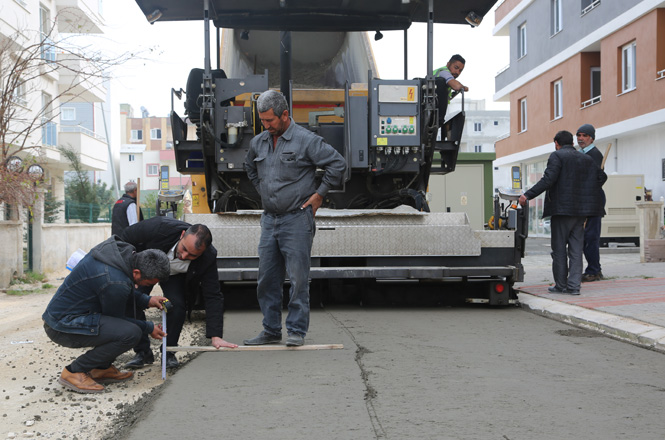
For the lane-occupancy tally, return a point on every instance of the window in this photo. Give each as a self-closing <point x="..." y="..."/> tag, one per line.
<point x="68" y="114"/>
<point x="496" y="122"/>
<point x="521" y="40"/>
<point x="478" y="148"/>
<point x="49" y="128"/>
<point x="19" y="94"/>
<point x="45" y="27"/>
<point x="477" y="126"/>
<point x="155" y="133"/>
<point x="522" y="119"/>
<point x="557" y="99"/>
<point x="628" y="59"/>
<point x="153" y="169"/>
<point x="595" y="82"/>
<point x="131" y="157"/>
<point x="555" y="25"/>
<point x="137" y="135"/>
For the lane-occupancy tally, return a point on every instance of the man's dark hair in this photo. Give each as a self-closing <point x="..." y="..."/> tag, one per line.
<point x="457" y="57"/>
<point x="564" y="138"/>
<point x="272" y="99"/>
<point x="203" y="235"/>
<point x="152" y="263"/>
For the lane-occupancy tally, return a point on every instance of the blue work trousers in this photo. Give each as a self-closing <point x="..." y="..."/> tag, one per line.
<point x="285" y="249"/>
<point x="592" y="245"/>
<point x="567" y="246"/>
<point x="116" y="336"/>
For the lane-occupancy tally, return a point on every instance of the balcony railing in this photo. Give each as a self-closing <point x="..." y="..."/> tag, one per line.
<point x="503" y="136"/>
<point x="590" y="102"/>
<point x="502" y="70"/>
<point x="50" y="134"/>
<point x="590" y="7"/>
<point x="80" y="129"/>
<point x="48" y="51"/>
<point x="660" y="74"/>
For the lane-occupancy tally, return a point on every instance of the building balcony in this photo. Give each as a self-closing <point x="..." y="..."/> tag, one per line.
<point x="79" y="16"/>
<point x="91" y="148"/>
<point x="73" y="88"/>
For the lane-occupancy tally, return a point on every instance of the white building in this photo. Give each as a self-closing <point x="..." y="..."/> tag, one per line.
<point x="482" y="128"/>
<point x="28" y="23"/>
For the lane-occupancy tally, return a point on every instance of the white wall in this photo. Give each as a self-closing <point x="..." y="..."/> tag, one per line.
<point x="639" y="153"/>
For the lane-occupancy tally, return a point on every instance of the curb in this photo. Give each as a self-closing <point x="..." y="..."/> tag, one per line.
<point x="630" y="330"/>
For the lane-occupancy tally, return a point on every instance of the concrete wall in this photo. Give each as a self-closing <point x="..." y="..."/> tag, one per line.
<point x="11" y="252"/>
<point x="60" y="241"/>
<point x="53" y="244"/>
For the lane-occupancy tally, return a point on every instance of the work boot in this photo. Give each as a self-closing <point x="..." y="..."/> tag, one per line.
<point x="588" y="277"/>
<point x="263" y="338"/>
<point x="140" y="361"/>
<point x="79" y="382"/>
<point x="110" y="375"/>
<point x="294" y="340"/>
<point x="171" y="360"/>
<point x="554" y="289"/>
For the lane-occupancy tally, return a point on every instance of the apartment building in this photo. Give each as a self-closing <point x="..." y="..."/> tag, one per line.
<point x="47" y="23"/>
<point x="147" y="153"/>
<point x="482" y="127"/>
<point x="572" y="62"/>
<point x="153" y="131"/>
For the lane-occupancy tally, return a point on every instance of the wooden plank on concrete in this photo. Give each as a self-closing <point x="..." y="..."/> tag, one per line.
<point x="273" y="347"/>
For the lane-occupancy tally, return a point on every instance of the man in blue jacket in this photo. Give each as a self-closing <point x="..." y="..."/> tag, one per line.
<point x="573" y="182"/>
<point x="88" y="310"/>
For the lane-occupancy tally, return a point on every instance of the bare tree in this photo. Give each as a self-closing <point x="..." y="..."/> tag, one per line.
<point x="29" y="59"/>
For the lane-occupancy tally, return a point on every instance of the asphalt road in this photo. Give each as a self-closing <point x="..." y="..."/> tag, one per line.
<point x="416" y="373"/>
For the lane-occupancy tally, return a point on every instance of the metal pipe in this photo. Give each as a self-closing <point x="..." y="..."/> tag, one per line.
<point x="406" y="55"/>
<point x="430" y="38"/>
<point x="110" y="151"/>
<point x="219" y="48"/>
<point x="285" y="63"/>
<point x="206" y="35"/>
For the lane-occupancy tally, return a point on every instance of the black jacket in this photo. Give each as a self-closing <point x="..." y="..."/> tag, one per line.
<point x="119" y="216"/>
<point x="596" y="155"/>
<point x="573" y="183"/>
<point x="162" y="233"/>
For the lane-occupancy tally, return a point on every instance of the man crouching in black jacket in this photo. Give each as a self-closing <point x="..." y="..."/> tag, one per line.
<point x="193" y="263"/>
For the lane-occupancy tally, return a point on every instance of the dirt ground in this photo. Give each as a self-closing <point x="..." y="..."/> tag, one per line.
<point x="34" y="405"/>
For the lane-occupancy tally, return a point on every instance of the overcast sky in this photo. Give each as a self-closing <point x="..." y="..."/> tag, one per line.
<point x="168" y="51"/>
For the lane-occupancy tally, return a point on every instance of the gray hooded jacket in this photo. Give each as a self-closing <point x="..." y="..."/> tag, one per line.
<point x="100" y="284"/>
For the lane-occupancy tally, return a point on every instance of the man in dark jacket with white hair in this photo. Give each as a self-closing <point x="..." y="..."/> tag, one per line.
<point x="572" y="181"/>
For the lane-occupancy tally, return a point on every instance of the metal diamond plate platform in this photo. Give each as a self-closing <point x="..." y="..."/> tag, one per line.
<point x="398" y="232"/>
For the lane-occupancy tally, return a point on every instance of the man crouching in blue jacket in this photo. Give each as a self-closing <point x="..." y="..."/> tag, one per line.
<point x="88" y="310"/>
